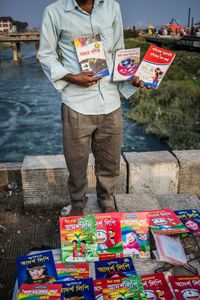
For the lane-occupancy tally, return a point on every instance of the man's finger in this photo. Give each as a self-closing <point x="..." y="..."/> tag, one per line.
<point x="136" y="81"/>
<point x="141" y="84"/>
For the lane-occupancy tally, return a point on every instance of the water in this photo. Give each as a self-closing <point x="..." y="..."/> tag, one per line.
<point x="30" y="121"/>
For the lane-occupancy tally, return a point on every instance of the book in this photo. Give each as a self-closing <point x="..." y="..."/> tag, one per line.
<point x="169" y="249"/>
<point x="126" y="64"/>
<point x="165" y="222"/>
<point x="119" y="267"/>
<point x="191" y="219"/>
<point x="186" y="287"/>
<point x="40" y="291"/>
<point x="91" y="55"/>
<point x="78" y="239"/>
<point x="109" y="236"/>
<point x="155" y="65"/>
<point x="98" y="289"/>
<point x="156" y="287"/>
<point x="123" y="288"/>
<point x="135" y="234"/>
<point x="78" y="289"/>
<point x="70" y="272"/>
<point x="36" y="269"/>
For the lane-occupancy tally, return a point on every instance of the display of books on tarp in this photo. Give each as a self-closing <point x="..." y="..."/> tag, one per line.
<point x="91" y="55"/>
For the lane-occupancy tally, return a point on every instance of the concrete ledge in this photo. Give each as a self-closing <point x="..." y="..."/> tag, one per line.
<point x="189" y="174"/>
<point x="10" y="173"/>
<point x="154" y="172"/>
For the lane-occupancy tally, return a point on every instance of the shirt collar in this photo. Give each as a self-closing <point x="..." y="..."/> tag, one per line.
<point x="71" y="4"/>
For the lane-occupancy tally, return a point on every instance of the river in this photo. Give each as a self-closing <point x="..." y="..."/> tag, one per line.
<point x="30" y="122"/>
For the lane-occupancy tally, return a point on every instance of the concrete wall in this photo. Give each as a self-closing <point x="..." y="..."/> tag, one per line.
<point x="44" y="178"/>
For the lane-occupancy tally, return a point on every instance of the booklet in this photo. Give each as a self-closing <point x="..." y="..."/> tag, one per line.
<point x="126" y="64"/>
<point x="78" y="289"/>
<point x="135" y="234"/>
<point x="98" y="289"/>
<point x="186" y="287"/>
<point x="40" y="291"/>
<point x="36" y="269"/>
<point x="123" y="288"/>
<point x="91" y="55"/>
<point x="109" y="237"/>
<point x="78" y="239"/>
<point x="191" y="219"/>
<point x="156" y="287"/>
<point x="154" y="66"/>
<point x="165" y="222"/>
<point x="69" y="272"/>
<point x="119" y="267"/>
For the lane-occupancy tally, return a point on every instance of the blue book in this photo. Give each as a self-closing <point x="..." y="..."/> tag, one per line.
<point x="114" y="268"/>
<point x="36" y="269"/>
<point x="190" y="218"/>
<point x="78" y="289"/>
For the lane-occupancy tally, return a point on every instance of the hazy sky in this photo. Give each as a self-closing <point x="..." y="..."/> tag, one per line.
<point x="139" y="13"/>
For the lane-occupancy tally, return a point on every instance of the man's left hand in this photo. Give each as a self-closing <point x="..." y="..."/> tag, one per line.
<point x="137" y="82"/>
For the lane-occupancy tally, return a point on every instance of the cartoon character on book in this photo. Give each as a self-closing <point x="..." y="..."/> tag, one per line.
<point x="102" y="240"/>
<point x="157" y="76"/>
<point x="161" y="223"/>
<point x="131" y="246"/>
<point x="111" y="236"/>
<point x="37" y="272"/>
<point x="83" y="248"/>
<point x="75" y="249"/>
<point x="192" y="225"/>
<point x="191" y="294"/>
<point x="150" y="295"/>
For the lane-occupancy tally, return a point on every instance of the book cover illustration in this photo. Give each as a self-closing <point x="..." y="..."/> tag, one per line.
<point x="82" y="289"/>
<point x="191" y="219"/>
<point x="69" y="272"/>
<point x="135" y="234"/>
<point x="126" y="64"/>
<point x="165" y="222"/>
<point x="36" y="269"/>
<point x="123" y="288"/>
<point x="154" y="66"/>
<point x="98" y="289"/>
<point x="119" y="267"/>
<point x="109" y="236"/>
<point x="91" y="55"/>
<point x="156" y="287"/>
<point x="40" y="291"/>
<point x="186" y="287"/>
<point x="78" y="239"/>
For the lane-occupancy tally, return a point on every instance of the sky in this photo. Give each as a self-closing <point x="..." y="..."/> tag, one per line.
<point x="139" y="13"/>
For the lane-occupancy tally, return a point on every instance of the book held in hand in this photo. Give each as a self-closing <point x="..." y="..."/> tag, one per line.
<point x="126" y="64"/>
<point x="91" y="55"/>
<point x="154" y="66"/>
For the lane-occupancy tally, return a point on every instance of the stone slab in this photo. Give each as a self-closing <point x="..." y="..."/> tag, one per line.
<point x="91" y="206"/>
<point x="179" y="201"/>
<point x="154" y="172"/>
<point x="189" y="174"/>
<point x="136" y="202"/>
<point x="10" y="173"/>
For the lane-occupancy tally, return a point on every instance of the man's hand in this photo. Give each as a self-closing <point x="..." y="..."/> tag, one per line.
<point x="84" y="79"/>
<point x="138" y="83"/>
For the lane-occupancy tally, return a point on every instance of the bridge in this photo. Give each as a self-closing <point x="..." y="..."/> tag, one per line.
<point x="15" y="40"/>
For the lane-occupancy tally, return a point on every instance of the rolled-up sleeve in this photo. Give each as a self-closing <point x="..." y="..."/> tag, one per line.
<point x="48" y="56"/>
<point x="125" y="87"/>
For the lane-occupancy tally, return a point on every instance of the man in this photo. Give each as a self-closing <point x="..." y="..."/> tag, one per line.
<point x="91" y="112"/>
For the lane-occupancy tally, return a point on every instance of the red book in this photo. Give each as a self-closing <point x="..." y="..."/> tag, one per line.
<point x="186" y="287"/>
<point x="98" y="289"/>
<point x="156" y="287"/>
<point x="40" y="291"/>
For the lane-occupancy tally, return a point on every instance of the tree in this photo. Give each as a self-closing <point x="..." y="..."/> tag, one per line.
<point x="21" y="26"/>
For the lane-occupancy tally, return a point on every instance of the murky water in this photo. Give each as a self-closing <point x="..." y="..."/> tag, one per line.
<point x="30" y="122"/>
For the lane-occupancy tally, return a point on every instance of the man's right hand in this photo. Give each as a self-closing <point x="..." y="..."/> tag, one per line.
<point x="84" y="79"/>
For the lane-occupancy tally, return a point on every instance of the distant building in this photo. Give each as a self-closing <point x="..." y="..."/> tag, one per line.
<point x="6" y="25"/>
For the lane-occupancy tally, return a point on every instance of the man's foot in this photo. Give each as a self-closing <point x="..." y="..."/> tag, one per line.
<point x="76" y="211"/>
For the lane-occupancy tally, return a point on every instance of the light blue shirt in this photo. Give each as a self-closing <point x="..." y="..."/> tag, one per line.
<point x="63" y="21"/>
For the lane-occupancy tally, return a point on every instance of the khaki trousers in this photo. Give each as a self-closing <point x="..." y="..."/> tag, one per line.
<point x="102" y="134"/>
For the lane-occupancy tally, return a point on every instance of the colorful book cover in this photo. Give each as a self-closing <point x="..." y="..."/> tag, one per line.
<point x="98" y="289"/>
<point x="186" y="287"/>
<point x="40" y="291"/>
<point x="91" y="55"/>
<point x="156" y="287"/>
<point x="123" y="288"/>
<point x="135" y="234"/>
<point x="119" y="267"/>
<point x="78" y="239"/>
<point x="109" y="236"/>
<point x="70" y="272"/>
<point x="36" y="269"/>
<point x="165" y="222"/>
<point x="155" y="65"/>
<point x="126" y="64"/>
<point x="191" y="219"/>
<point x="78" y="289"/>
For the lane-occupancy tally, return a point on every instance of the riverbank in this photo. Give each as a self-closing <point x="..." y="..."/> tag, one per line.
<point x="172" y="112"/>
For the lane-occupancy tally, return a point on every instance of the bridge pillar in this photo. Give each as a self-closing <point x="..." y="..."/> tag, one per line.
<point x="19" y="50"/>
<point x="16" y="51"/>
<point x="37" y="49"/>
